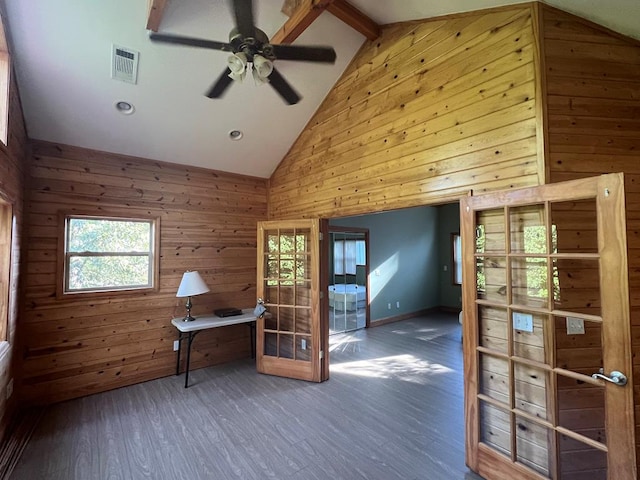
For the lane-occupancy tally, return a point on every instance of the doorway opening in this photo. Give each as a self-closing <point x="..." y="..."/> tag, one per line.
<point x="348" y="279"/>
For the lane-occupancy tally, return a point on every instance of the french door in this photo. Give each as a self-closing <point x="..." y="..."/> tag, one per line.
<point x="289" y="341"/>
<point x="547" y="342"/>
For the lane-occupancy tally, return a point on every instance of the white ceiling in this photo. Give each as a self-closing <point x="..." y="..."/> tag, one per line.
<point x="62" y="53"/>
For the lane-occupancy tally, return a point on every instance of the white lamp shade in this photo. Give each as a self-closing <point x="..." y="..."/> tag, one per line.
<point x="191" y="284"/>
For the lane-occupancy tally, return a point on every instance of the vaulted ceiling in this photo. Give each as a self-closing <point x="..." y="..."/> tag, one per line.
<point x="62" y="51"/>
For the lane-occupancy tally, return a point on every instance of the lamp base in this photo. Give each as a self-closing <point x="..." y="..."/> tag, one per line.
<point x="188" y="317"/>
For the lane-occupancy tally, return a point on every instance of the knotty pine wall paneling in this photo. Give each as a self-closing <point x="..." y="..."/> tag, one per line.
<point x="85" y="344"/>
<point x="424" y="114"/>
<point x="12" y="180"/>
<point x="592" y="80"/>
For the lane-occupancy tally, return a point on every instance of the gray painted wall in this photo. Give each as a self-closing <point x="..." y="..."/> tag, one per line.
<point x="403" y="256"/>
<point x="448" y="223"/>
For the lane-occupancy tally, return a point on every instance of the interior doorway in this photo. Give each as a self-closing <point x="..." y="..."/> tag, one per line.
<point x="348" y="279"/>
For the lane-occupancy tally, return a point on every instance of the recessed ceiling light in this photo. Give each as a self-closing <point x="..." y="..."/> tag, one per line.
<point x="235" y="135"/>
<point x="125" y="108"/>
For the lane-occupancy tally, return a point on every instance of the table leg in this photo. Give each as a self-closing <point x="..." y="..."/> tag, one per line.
<point x="252" y="334"/>
<point x="178" y="353"/>
<point x="192" y="335"/>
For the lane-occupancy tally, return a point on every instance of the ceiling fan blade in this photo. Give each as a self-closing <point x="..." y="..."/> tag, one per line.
<point x="189" y="41"/>
<point x="220" y="85"/>
<point x="243" y="11"/>
<point x="309" y="54"/>
<point x="281" y="86"/>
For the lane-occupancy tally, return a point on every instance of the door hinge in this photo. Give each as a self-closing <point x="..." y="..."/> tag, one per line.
<point x="320" y="236"/>
<point x="321" y="354"/>
<point x="321" y="295"/>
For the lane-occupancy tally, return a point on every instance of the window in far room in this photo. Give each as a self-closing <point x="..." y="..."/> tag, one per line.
<point x="5" y="75"/>
<point x="347" y="255"/>
<point x="105" y="254"/>
<point x="6" y="228"/>
<point x="456" y="249"/>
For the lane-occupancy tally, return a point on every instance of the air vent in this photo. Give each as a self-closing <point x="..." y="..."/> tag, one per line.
<point x="124" y="64"/>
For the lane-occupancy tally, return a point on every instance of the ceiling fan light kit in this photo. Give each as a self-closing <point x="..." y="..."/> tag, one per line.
<point x="250" y="48"/>
<point x="237" y="63"/>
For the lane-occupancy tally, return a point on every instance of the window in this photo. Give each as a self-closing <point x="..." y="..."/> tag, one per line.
<point x="6" y="227"/>
<point x="106" y="253"/>
<point x="347" y="255"/>
<point x="456" y="248"/>
<point x="5" y="78"/>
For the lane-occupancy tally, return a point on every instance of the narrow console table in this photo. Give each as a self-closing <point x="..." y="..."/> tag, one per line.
<point x="188" y="331"/>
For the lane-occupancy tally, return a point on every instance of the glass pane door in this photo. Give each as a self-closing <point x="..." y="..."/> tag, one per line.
<point x="539" y="317"/>
<point x="288" y="275"/>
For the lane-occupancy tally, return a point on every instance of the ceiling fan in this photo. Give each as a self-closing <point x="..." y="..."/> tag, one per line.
<point x="248" y="44"/>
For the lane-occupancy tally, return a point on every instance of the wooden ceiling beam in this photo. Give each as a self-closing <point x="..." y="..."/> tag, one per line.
<point x="354" y="18"/>
<point x="156" y="10"/>
<point x="308" y="10"/>
<point x="302" y="17"/>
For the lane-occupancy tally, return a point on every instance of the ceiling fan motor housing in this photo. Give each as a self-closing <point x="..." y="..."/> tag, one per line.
<point x="250" y="46"/>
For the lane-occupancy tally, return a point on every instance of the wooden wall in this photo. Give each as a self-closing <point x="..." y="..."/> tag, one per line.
<point x="86" y="344"/>
<point x="425" y="113"/>
<point x="593" y="108"/>
<point x="12" y="173"/>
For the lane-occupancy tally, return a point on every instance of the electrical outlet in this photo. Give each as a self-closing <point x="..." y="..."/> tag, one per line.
<point x="575" y="326"/>
<point x="9" y="389"/>
<point x="445" y="268"/>
<point x="176" y="345"/>
<point x="397" y="304"/>
<point x="388" y="306"/>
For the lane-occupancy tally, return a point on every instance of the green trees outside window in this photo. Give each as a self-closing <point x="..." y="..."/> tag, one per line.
<point x="103" y="254"/>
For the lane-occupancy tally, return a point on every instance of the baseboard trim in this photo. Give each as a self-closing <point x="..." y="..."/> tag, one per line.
<point x="404" y="316"/>
<point x="16" y="439"/>
<point x="450" y="309"/>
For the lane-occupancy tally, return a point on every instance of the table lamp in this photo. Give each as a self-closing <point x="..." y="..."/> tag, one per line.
<point x="191" y="285"/>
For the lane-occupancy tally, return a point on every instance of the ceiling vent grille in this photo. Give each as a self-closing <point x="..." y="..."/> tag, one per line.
<point x="124" y="64"/>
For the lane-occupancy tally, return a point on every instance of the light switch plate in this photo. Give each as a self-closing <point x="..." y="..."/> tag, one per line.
<point x="575" y="326"/>
<point x="523" y="322"/>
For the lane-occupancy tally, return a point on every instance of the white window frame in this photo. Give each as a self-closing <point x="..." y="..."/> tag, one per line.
<point x="153" y="255"/>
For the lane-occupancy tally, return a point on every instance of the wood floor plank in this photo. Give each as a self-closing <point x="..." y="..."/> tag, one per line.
<point x="392" y="409"/>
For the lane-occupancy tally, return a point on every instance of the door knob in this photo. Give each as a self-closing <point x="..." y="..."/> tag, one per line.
<point x="616" y="377"/>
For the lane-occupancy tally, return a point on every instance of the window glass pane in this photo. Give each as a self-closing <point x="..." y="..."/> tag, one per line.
<point x="361" y="253"/>
<point x="103" y="272"/>
<point x="528" y="231"/>
<point x="490" y="237"/>
<point x="94" y="235"/>
<point x="104" y="254"/>
<point x="491" y="278"/>
<point x="493" y="324"/>
<point x="495" y="428"/>
<point x="338" y="257"/>
<point x="533" y="445"/>
<point x="529" y="281"/>
<point x="457" y="259"/>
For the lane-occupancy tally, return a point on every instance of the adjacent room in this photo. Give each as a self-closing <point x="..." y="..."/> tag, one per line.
<point x="319" y="239"/>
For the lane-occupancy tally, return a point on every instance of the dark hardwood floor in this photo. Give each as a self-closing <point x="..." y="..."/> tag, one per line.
<point x="393" y="409"/>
